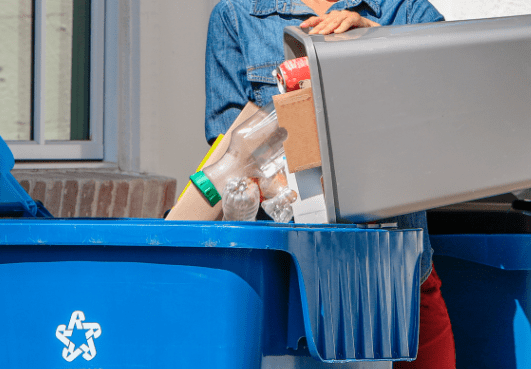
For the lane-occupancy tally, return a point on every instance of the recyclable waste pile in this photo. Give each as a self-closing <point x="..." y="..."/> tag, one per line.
<point x="251" y="172"/>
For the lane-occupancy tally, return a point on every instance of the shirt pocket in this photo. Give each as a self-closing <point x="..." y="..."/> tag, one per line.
<point x="263" y="83"/>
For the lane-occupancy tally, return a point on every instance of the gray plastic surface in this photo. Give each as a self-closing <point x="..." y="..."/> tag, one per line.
<point x="420" y="116"/>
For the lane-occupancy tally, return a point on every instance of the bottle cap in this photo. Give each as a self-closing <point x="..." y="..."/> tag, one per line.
<point x="204" y="185"/>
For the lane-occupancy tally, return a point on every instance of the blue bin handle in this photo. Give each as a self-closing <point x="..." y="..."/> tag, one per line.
<point x="13" y="198"/>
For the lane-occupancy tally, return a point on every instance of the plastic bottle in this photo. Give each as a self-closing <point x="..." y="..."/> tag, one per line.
<point x="279" y="207"/>
<point x="241" y="199"/>
<point x="252" y="145"/>
<point x="275" y="190"/>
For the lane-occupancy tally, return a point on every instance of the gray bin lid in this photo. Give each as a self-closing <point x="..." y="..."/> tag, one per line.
<point x="419" y="116"/>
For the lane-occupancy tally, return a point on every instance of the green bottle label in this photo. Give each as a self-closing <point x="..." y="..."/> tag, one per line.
<point x="201" y="181"/>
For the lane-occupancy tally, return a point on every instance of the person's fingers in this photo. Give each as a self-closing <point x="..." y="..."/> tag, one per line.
<point x="344" y="26"/>
<point x="311" y="22"/>
<point x="319" y="23"/>
<point x="352" y="20"/>
<point x="332" y="24"/>
<point x="371" y="23"/>
<point x="337" y="22"/>
<point x="329" y="23"/>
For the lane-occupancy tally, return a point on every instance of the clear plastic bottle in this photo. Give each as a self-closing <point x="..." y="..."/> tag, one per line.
<point x="273" y="183"/>
<point x="279" y="207"/>
<point x="241" y="199"/>
<point x="252" y="144"/>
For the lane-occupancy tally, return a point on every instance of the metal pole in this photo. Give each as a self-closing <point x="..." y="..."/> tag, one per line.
<point x="39" y="71"/>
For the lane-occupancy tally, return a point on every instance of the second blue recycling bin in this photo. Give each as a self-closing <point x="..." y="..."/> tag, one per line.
<point x="484" y="261"/>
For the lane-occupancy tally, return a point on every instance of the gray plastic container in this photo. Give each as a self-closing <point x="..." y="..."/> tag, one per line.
<point x="420" y="116"/>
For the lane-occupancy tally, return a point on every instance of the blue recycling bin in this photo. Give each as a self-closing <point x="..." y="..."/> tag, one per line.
<point x="151" y="293"/>
<point x="485" y="268"/>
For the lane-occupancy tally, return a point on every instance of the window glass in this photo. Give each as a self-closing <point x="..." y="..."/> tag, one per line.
<point x="67" y="69"/>
<point x="80" y="61"/>
<point x="58" y="69"/>
<point x="16" y="23"/>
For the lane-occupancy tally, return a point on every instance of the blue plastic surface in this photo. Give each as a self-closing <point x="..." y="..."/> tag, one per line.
<point x="490" y="313"/>
<point x="181" y="294"/>
<point x="159" y="315"/>
<point x="503" y="251"/>
<point x="485" y="284"/>
<point x="14" y="201"/>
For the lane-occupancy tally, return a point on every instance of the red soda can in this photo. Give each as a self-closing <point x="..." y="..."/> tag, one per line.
<point x="290" y="73"/>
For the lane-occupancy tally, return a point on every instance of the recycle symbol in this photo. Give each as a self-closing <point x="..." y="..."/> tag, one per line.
<point x="93" y="331"/>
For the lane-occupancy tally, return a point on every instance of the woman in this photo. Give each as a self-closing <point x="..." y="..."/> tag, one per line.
<point x="244" y="46"/>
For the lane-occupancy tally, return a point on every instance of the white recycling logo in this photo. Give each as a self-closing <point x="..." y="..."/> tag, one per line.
<point x="93" y="331"/>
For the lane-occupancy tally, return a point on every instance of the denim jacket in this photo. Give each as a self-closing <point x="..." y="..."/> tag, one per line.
<point x="245" y="44"/>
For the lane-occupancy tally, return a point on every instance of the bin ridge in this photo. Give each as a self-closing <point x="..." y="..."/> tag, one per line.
<point x="360" y="302"/>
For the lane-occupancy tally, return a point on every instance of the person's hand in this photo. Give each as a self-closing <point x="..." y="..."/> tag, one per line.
<point x="336" y="22"/>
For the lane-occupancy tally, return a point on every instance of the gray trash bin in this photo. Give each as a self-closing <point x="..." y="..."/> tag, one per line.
<point x="419" y="116"/>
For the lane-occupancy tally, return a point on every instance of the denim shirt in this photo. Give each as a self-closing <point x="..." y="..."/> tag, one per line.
<point x="245" y="44"/>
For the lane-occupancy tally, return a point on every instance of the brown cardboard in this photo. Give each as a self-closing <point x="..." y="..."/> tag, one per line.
<point x="192" y="205"/>
<point x="295" y="112"/>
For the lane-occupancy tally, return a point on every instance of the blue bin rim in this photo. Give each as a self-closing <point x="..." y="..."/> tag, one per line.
<point x="160" y="232"/>
<point x="503" y="251"/>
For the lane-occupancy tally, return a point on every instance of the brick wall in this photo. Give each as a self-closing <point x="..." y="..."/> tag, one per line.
<point x="99" y="193"/>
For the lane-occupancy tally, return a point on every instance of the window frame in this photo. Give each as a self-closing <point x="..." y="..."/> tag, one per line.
<point x="40" y="149"/>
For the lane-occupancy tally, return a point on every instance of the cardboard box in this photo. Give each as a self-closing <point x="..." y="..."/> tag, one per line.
<point x="295" y="112"/>
<point x="192" y="205"/>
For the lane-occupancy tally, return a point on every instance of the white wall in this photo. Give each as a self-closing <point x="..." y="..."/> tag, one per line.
<point x="172" y="97"/>
<point x="475" y="9"/>
<point x="173" y="36"/>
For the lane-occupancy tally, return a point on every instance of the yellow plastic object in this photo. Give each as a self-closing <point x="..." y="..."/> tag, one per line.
<point x="214" y="145"/>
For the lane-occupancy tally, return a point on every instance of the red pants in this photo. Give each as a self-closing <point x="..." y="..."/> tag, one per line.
<point x="436" y="341"/>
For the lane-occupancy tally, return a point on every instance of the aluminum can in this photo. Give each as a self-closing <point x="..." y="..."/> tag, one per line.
<point x="290" y="73"/>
